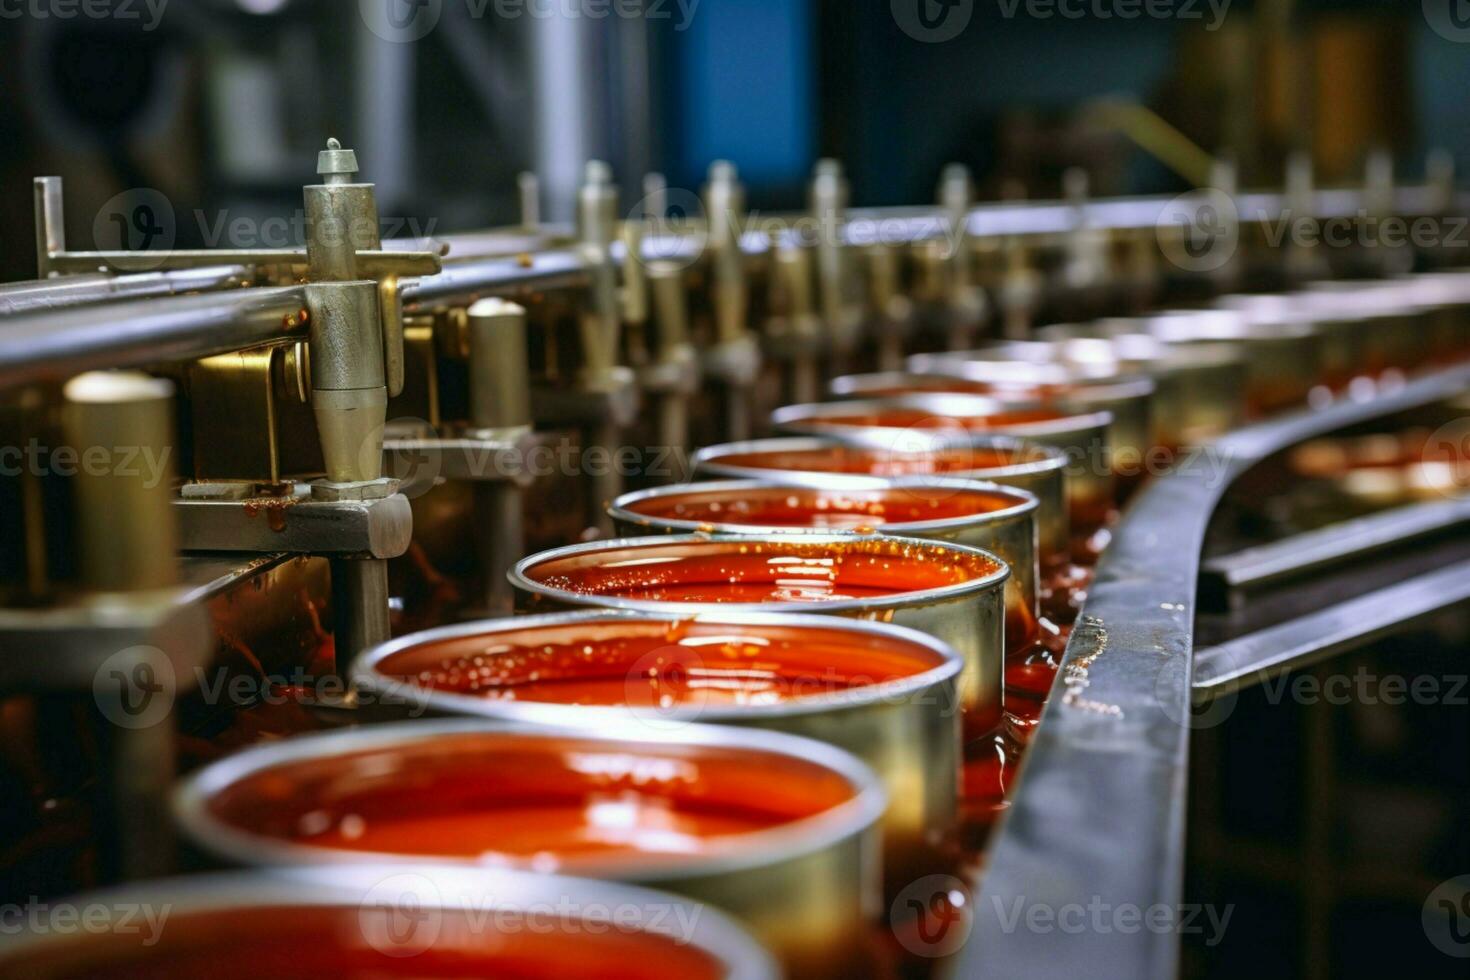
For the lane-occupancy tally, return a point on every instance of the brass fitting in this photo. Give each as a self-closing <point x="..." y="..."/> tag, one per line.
<point x="117" y="422"/>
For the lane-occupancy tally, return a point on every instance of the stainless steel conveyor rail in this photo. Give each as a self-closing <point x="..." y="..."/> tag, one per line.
<point x="1098" y="812"/>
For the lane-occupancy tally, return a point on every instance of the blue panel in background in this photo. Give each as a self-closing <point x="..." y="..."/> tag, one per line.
<point x="745" y="76"/>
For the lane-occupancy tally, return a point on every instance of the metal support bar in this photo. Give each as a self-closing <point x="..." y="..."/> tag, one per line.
<point x="359" y="607"/>
<point x="1327" y="547"/>
<point x="380" y="528"/>
<point x="55" y="346"/>
<point x="1251" y="659"/>
<point x="45" y="295"/>
<point x="371" y="263"/>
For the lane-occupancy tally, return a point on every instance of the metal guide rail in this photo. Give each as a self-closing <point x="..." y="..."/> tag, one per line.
<point x="1099" y="809"/>
<point x="187" y="326"/>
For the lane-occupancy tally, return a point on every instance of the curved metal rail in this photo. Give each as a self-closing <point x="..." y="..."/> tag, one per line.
<point x="1098" y="814"/>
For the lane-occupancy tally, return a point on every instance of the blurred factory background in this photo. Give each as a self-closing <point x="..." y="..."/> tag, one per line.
<point x="217" y="103"/>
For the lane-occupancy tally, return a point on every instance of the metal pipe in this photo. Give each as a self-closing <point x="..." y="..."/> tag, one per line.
<point x="509" y="275"/>
<point x="503" y="276"/>
<point x="50" y="226"/>
<point x="500" y="538"/>
<point x="83" y="290"/>
<point x="370" y="262"/>
<point x="55" y="346"/>
<point x="359" y="607"/>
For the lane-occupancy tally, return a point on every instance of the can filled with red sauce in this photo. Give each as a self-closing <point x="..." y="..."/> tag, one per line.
<point x="1063" y="387"/>
<point x="909" y="423"/>
<point x="886" y="694"/>
<point x="779" y="831"/>
<point x="994" y="518"/>
<point x="834" y="462"/>
<point x="404" y="920"/>
<point x="952" y="592"/>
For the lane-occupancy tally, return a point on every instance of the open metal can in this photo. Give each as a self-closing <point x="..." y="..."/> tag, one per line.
<point x="886" y="694"/>
<point x="952" y="592"/>
<point x="998" y="519"/>
<point x="779" y="831"/>
<point x="393" y="920"/>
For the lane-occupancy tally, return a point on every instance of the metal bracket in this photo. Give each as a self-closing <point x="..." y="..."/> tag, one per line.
<point x="297" y="524"/>
<point x="1259" y="656"/>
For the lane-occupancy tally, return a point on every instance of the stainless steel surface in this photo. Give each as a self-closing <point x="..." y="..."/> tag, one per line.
<point x="1257" y="657"/>
<point x="1262" y="565"/>
<point x="379" y="528"/>
<point x="1100" y="806"/>
<point x="42" y="295"/>
<point x="359" y="606"/>
<point x="349" y="394"/>
<point x="500" y="541"/>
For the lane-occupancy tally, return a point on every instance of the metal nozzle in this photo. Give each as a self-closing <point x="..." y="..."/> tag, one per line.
<point x="349" y="394"/>
<point x="597" y="205"/>
<point x="336" y="165"/>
